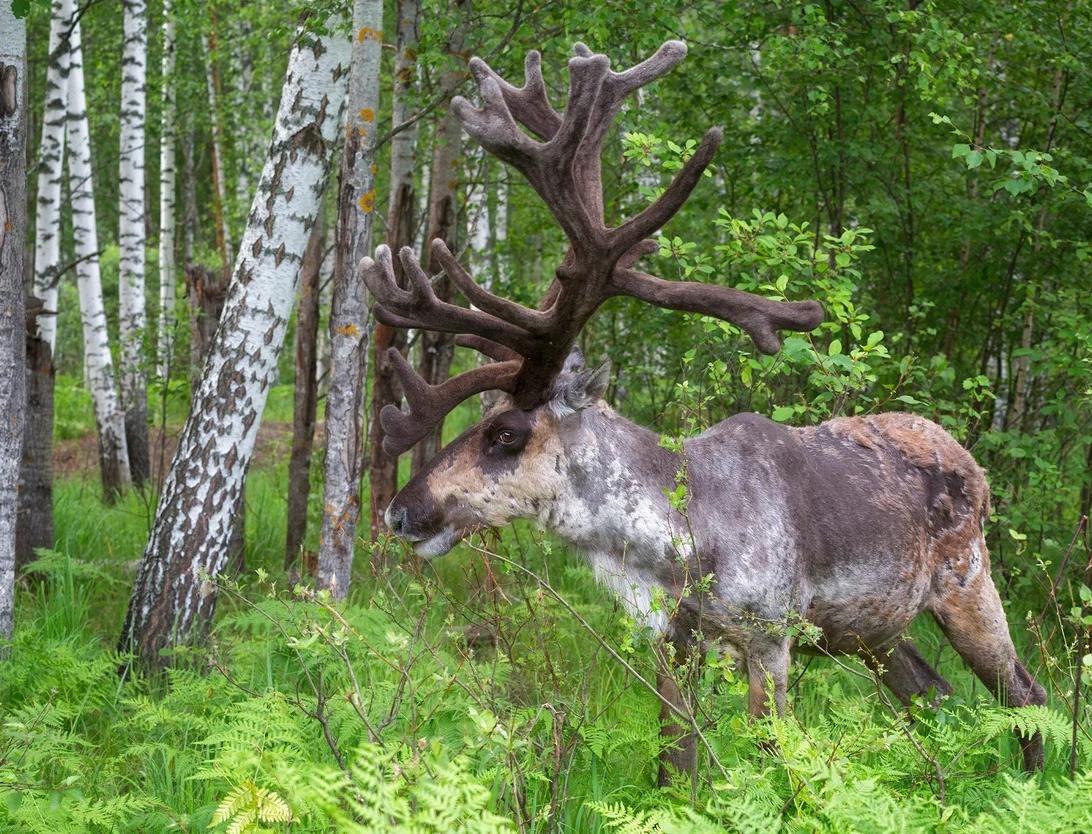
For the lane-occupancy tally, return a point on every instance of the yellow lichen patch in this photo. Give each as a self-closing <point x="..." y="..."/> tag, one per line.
<point x="367" y="114"/>
<point x="373" y="168"/>
<point x="367" y="201"/>
<point x="365" y="32"/>
<point x="347" y="330"/>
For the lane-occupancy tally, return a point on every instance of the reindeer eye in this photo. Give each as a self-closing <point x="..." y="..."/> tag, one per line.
<point x="506" y="437"/>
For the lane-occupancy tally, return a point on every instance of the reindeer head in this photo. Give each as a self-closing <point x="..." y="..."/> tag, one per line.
<point x="515" y="463"/>
<point x="501" y="468"/>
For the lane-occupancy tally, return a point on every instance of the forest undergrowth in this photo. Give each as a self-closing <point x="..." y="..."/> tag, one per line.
<point x="496" y="690"/>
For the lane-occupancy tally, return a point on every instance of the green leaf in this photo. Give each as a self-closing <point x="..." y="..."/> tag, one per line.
<point x="960" y="150"/>
<point x="783" y="413"/>
<point x="835" y="347"/>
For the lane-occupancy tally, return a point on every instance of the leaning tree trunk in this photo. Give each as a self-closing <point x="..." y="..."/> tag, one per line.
<point x="349" y="311"/>
<point x="173" y="599"/>
<point x="35" y="529"/>
<point x="207" y="291"/>
<point x="13" y="231"/>
<point x="305" y="403"/>
<point x="382" y="468"/>
<point x="168" y="278"/>
<point x="131" y="312"/>
<point x="47" y="225"/>
<point x="113" y="453"/>
<point x="437" y="349"/>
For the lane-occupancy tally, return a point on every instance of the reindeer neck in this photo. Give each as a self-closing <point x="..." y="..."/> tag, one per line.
<point x="612" y="500"/>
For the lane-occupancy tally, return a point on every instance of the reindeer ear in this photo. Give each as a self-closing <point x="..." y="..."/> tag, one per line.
<point x="575" y="391"/>
<point x="574" y="362"/>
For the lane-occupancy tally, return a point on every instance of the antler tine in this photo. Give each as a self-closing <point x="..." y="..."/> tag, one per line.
<point x="378" y="275"/>
<point x="533" y="321"/>
<point x="494" y="128"/>
<point x="656" y="215"/>
<point x="429" y="404"/>
<point x="529" y="103"/>
<point x="418" y="307"/>
<point x="491" y="350"/>
<point x="760" y="317"/>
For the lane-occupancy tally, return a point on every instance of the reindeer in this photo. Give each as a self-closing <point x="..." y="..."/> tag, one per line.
<point x="856" y="525"/>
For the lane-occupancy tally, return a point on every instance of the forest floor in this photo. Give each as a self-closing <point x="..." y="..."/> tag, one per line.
<point x="79" y="456"/>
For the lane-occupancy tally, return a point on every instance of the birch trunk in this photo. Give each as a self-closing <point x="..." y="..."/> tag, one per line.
<point x="207" y="290"/>
<point x="13" y="232"/>
<point x="168" y="275"/>
<point x="383" y="469"/>
<point x="349" y="308"/>
<point x="132" y="318"/>
<point x="305" y="401"/>
<point x="172" y="601"/>
<point x="99" y="366"/>
<point x="47" y="224"/>
<point x="244" y="134"/>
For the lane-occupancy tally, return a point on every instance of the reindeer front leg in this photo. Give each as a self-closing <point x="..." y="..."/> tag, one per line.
<point x="767" y="660"/>
<point x="680" y="755"/>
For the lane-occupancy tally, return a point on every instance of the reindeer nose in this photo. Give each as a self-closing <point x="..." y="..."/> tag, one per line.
<point x="395" y="519"/>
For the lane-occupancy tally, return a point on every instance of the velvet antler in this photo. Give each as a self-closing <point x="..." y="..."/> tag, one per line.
<point x="563" y="165"/>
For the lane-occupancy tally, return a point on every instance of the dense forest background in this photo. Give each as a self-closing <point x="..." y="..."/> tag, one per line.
<point x="922" y="169"/>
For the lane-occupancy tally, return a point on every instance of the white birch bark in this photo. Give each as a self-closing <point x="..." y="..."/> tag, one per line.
<point x="168" y="277"/>
<point x="98" y="364"/>
<point x="349" y="312"/>
<point x="47" y="224"/>
<point x="244" y="132"/>
<point x="13" y="230"/>
<point x="171" y="602"/>
<point x="132" y="317"/>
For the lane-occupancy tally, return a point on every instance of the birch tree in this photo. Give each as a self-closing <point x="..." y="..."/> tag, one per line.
<point x="131" y="315"/>
<point x="172" y="600"/>
<point x="349" y="311"/>
<point x="13" y="230"/>
<point x="109" y="419"/>
<point x="168" y="276"/>
<point x="47" y="226"/>
<point x="401" y="231"/>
